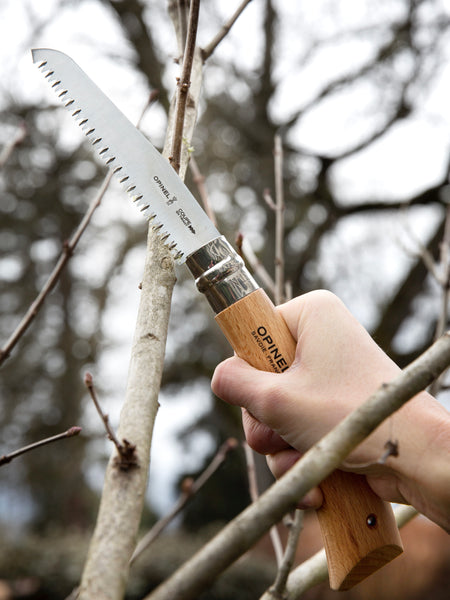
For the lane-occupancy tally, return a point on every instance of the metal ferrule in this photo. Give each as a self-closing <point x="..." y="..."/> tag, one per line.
<point x="220" y="274"/>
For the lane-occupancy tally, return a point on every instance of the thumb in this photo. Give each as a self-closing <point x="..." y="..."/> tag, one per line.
<point x="238" y="383"/>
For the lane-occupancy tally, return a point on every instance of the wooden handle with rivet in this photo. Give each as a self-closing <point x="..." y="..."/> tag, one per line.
<point x="359" y="531"/>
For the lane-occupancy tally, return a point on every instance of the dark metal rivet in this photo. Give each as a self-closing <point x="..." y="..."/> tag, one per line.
<point x="371" y="521"/>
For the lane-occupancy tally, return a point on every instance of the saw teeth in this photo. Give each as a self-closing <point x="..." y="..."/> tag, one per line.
<point x="138" y="198"/>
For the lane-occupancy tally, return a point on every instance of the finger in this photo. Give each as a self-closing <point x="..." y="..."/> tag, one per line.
<point x="280" y="463"/>
<point x="313" y="499"/>
<point x="260" y="437"/>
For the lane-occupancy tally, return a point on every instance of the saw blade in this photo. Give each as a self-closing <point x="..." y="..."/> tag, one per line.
<point x="146" y="175"/>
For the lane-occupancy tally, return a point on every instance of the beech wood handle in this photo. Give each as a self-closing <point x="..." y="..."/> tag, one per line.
<point x="359" y="531"/>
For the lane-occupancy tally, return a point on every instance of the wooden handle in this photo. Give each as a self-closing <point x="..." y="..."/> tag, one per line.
<point x="358" y="528"/>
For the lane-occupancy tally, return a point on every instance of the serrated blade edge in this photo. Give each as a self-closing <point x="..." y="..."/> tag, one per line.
<point x="146" y="175"/>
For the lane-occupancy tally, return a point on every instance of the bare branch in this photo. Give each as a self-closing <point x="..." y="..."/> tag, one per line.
<point x="15" y="141"/>
<point x="279" y="221"/>
<point x="7" y="458"/>
<point x="126" y="450"/>
<point x="184" y="83"/>
<point x="189" y="490"/>
<point x="254" y="495"/>
<point x="279" y="586"/>
<point x="199" y="180"/>
<point x="106" y="570"/>
<point x="209" y="49"/>
<point x="246" y="251"/>
<point x="183" y="16"/>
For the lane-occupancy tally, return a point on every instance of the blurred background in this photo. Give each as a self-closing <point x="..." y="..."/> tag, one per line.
<point x="358" y="92"/>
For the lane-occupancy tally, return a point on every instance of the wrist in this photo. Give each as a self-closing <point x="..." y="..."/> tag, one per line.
<point x="422" y="468"/>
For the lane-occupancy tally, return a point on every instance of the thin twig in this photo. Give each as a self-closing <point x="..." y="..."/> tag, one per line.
<point x="422" y="252"/>
<point x="278" y="208"/>
<point x="209" y="49"/>
<point x="71" y="432"/>
<point x="391" y="448"/>
<point x="183" y="84"/>
<point x="295" y="528"/>
<point x="199" y="180"/>
<point x="15" y="141"/>
<point x="288" y="291"/>
<point x="254" y="495"/>
<point x="279" y="221"/>
<point x="189" y="489"/>
<point x="246" y="251"/>
<point x="182" y="7"/>
<point x="126" y="450"/>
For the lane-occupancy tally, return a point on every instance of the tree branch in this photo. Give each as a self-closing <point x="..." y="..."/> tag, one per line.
<point x="278" y="589"/>
<point x="254" y="495"/>
<point x="279" y="221"/>
<point x="246" y="251"/>
<point x="114" y="540"/>
<point x="126" y="450"/>
<point x="184" y="83"/>
<point x="8" y="149"/>
<point x="189" y="489"/>
<point x="209" y="49"/>
<point x="7" y="458"/>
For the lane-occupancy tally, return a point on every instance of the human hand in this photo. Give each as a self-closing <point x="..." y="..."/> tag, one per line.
<point x="337" y="367"/>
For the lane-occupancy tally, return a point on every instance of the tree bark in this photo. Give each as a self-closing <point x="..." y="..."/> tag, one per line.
<point x="106" y="570"/>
